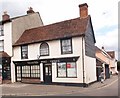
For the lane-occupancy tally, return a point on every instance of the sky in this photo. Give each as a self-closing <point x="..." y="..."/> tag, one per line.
<point x="104" y="14"/>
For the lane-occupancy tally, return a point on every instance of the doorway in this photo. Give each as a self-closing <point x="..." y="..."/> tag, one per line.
<point x="47" y="73"/>
<point x="107" y="72"/>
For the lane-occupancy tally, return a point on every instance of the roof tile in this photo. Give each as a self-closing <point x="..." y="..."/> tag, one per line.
<point x="68" y="28"/>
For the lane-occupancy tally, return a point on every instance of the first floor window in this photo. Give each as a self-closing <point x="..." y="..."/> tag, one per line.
<point x="24" y="52"/>
<point x="1" y="30"/>
<point x="1" y="45"/>
<point x="66" y="46"/>
<point x="44" y="49"/>
<point x="66" y="69"/>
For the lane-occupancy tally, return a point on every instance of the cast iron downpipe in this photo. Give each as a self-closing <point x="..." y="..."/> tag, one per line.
<point x="83" y="64"/>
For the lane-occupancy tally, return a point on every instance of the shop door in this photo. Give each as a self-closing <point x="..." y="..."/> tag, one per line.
<point x="6" y="74"/>
<point x="99" y="70"/>
<point x="107" y="73"/>
<point x="47" y="72"/>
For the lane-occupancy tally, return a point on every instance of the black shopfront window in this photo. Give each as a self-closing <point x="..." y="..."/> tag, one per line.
<point x="66" y="46"/>
<point x="44" y="49"/>
<point x="66" y="69"/>
<point x="24" y="52"/>
<point x="27" y="72"/>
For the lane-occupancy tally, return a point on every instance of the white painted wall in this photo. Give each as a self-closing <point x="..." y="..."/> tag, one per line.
<point x="55" y="52"/>
<point x="41" y="72"/>
<point x="12" y="72"/>
<point x="90" y="69"/>
<point x="54" y="47"/>
<point x="8" y="38"/>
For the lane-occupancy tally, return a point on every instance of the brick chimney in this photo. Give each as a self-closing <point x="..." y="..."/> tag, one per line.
<point x="83" y="10"/>
<point x="5" y="16"/>
<point x="30" y="10"/>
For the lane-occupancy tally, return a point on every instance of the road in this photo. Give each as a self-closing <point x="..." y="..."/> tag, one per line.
<point x="108" y="90"/>
<point x="96" y="89"/>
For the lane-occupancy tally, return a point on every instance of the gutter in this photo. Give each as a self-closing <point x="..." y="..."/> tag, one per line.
<point x="83" y="63"/>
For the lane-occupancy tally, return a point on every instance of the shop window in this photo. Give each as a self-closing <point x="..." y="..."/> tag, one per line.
<point x="66" y="46"/>
<point x="66" y="69"/>
<point x="25" y="71"/>
<point x="28" y="71"/>
<point x="61" y="69"/>
<point x="18" y="73"/>
<point x="1" y="45"/>
<point x="24" y="52"/>
<point x="35" y="71"/>
<point x="44" y="49"/>
<point x="1" y="30"/>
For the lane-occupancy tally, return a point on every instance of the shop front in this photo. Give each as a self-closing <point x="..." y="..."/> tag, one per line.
<point x="27" y="71"/>
<point x="44" y="70"/>
<point x="5" y="69"/>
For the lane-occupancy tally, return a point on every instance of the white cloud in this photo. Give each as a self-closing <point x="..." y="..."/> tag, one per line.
<point x="109" y="40"/>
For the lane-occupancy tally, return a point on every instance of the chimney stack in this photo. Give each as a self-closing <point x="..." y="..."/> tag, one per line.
<point x="5" y="16"/>
<point x="30" y="10"/>
<point x="83" y="10"/>
<point x="103" y="47"/>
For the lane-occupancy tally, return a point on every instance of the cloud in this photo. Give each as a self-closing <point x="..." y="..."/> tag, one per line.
<point x="109" y="40"/>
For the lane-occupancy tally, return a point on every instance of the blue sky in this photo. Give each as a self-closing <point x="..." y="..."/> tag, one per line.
<point x="104" y="14"/>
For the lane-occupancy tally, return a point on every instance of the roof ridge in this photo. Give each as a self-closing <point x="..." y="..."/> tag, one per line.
<point x="59" y="22"/>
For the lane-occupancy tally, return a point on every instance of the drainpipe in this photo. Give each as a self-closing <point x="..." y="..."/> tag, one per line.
<point x="83" y="63"/>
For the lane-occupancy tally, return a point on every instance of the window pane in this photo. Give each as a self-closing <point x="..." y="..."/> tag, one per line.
<point x="67" y="49"/>
<point x="71" y="69"/>
<point x="61" y="69"/>
<point x="66" y="42"/>
<point x="66" y="46"/>
<point x="1" y="30"/>
<point x="1" y="45"/>
<point x="44" y="49"/>
<point x="24" y="52"/>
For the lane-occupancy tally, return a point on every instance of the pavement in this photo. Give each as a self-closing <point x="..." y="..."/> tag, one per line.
<point x="107" y="82"/>
<point x="21" y="89"/>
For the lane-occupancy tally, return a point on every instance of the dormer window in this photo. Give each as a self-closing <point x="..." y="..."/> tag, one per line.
<point x="44" y="49"/>
<point x="1" y="30"/>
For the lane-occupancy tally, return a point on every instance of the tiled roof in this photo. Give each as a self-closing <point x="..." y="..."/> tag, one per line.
<point x="4" y="54"/>
<point x="111" y="53"/>
<point x="97" y="49"/>
<point x="68" y="28"/>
